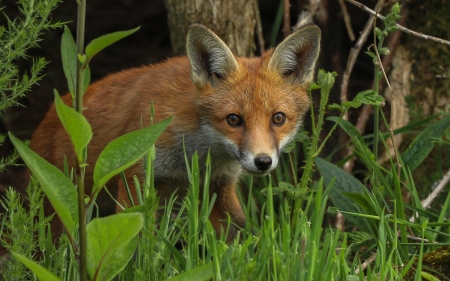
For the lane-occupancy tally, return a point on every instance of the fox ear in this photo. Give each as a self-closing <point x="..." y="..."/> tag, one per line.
<point x="296" y="56"/>
<point x="211" y="60"/>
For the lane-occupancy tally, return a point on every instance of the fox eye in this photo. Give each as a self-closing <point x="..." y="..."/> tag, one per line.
<point x="278" y="118"/>
<point x="234" y="120"/>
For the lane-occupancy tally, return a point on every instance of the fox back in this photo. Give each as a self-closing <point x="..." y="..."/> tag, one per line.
<point x="243" y="111"/>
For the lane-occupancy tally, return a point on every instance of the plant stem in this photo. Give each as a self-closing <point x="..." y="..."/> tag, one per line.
<point x="80" y="51"/>
<point x="313" y="151"/>
<point x="376" y="108"/>
<point x="80" y="170"/>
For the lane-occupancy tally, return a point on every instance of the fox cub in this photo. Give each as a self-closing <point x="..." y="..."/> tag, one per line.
<point x="243" y="111"/>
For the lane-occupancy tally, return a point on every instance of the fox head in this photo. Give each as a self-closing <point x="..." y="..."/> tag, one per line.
<point x="253" y="106"/>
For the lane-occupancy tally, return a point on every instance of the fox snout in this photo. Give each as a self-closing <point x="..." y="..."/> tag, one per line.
<point x="263" y="162"/>
<point x="259" y="164"/>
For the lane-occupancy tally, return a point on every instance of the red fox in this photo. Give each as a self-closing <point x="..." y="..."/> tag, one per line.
<point x="243" y="111"/>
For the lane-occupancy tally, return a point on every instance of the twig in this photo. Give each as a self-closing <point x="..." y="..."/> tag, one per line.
<point x="402" y="28"/>
<point x="348" y="24"/>
<point x="259" y="31"/>
<point x="305" y="17"/>
<point x="366" y="263"/>
<point x="392" y="98"/>
<point x="286" y="18"/>
<point x="367" y="108"/>
<point x="427" y="202"/>
<point x="418" y="239"/>
<point x="354" y="54"/>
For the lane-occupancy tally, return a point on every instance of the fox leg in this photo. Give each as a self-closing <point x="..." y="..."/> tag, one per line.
<point x="227" y="205"/>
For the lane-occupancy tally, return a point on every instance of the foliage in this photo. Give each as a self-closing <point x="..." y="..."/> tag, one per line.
<point x="16" y="38"/>
<point x="20" y="35"/>
<point x="286" y="237"/>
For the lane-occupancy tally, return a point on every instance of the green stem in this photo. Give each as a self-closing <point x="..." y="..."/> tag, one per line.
<point x="376" y="112"/>
<point x="80" y="170"/>
<point x="271" y="213"/>
<point x="376" y="108"/>
<point x="293" y="168"/>
<point x="312" y="155"/>
<point x="80" y="51"/>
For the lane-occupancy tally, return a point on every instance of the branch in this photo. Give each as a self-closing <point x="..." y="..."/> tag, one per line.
<point x="427" y="202"/>
<point x="259" y="31"/>
<point x="402" y="28"/>
<point x="286" y="19"/>
<point x="348" y="24"/>
<point x="354" y="54"/>
<point x="305" y="17"/>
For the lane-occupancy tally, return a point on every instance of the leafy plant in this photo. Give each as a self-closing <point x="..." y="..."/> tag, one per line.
<point x="16" y="39"/>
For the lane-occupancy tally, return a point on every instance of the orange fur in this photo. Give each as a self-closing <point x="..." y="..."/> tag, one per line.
<point x="200" y="91"/>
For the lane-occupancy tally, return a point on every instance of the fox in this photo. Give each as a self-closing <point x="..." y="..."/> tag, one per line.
<point x="240" y="111"/>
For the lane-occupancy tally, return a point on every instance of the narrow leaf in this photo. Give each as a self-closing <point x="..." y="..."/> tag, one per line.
<point x="41" y="272"/>
<point x="124" y="151"/>
<point x="111" y="243"/>
<point x="363" y="152"/>
<point x="345" y="183"/>
<point x="69" y="58"/>
<point x="173" y="250"/>
<point x="423" y="144"/>
<point x="86" y="78"/>
<point x="200" y="273"/>
<point x="60" y="190"/>
<point x="76" y="125"/>
<point x="104" y="41"/>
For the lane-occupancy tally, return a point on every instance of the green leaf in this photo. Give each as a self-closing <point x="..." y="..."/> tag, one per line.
<point x="59" y="189"/>
<point x="313" y="86"/>
<point x="76" y="125"/>
<point x="200" y="273"/>
<point x="111" y="242"/>
<point x="345" y="183"/>
<point x="372" y="55"/>
<point x="70" y="60"/>
<point x="379" y="33"/>
<point x="368" y="97"/>
<point x="332" y="210"/>
<point x="335" y="106"/>
<point x="326" y="80"/>
<point x="41" y="272"/>
<point x="173" y="250"/>
<point x="422" y="144"/>
<point x="104" y="41"/>
<point x="86" y="78"/>
<point x="351" y="131"/>
<point x="124" y="151"/>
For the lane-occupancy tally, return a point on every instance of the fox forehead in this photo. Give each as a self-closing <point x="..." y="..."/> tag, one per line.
<point x="255" y="90"/>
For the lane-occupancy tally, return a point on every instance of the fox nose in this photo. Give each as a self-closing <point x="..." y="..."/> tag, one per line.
<point x="263" y="162"/>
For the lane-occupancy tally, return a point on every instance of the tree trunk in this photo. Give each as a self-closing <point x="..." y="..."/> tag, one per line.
<point x="232" y="20"/>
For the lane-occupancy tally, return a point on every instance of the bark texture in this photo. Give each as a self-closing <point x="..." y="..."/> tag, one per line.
<point x="233" y="21"/>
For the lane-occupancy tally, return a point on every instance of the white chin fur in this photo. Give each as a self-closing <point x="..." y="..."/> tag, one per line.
<point x="247" y="161"/>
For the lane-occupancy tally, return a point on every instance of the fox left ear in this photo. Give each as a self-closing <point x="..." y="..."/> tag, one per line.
<point x="295" y="57"/>
<point x="211" y="60"/>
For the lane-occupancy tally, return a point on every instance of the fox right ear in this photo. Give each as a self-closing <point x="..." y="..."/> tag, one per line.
<point x="211" y="60"/>
<point x="295" y="57"/>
